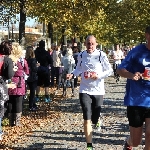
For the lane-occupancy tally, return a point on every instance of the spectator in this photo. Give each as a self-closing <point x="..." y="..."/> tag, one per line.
<point x="16" y="95"/>
<point x="33" y="77"/>
<point x="69" y="63"/>
<point x="56" y="65"/>
<point x="75" y="56"/>
<point x="50" y="50"/>
<point x="44" y="59"/>
<point x="7" y="72"/>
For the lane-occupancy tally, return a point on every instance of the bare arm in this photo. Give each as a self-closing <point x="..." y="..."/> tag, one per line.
<point x="126" y="74"/>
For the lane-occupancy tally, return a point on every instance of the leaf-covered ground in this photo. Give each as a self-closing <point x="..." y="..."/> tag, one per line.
<point x="59" y="125"/>
<point x="30" y="120"/>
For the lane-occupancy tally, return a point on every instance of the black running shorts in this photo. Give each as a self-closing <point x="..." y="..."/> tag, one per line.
<point x="137" y="115"/>
<point x="91" y="106"/>
<point x="44" y="79"/>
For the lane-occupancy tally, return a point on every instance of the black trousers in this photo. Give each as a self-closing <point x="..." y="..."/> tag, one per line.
<point x="15" y="103"/>
<point x="32" y="88"/>
<point x="54" y="73"/>
<point x="115" y="69"/>
<point x="75" y="82"/>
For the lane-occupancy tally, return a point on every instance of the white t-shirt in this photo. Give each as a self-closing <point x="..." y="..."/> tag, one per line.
<point x="117" y="55"/>
<point x="96" y="62"/>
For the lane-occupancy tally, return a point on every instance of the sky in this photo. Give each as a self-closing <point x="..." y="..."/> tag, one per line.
<point x="29" y="21"/>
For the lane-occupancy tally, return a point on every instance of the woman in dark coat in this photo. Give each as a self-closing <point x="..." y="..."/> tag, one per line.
<point x="6" y="72"/>
<point x="33" y="77"/>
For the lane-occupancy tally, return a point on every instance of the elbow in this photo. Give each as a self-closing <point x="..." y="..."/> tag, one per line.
<point x="118" y="71"/>
<point x="10" y="76"/>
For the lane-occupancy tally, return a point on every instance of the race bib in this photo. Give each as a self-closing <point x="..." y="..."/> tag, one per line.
<point x="146" y="74"/>
<point x="88" y="74"/>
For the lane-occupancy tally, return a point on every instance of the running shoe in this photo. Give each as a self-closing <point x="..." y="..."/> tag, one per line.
<point x="37" y="99"/>
<point x="89" y="148"/>
<point x="47" y="100"/>
<point x="127" y="146"/>
<point x="98" y="125"/>
<point x="33" y="109"/>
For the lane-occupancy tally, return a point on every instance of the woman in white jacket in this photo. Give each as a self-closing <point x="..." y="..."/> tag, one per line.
<point x="68" y="64"/>
<point x="56" y="55"/>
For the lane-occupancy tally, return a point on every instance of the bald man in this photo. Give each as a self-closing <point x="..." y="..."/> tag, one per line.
<point x="93" y="66"/>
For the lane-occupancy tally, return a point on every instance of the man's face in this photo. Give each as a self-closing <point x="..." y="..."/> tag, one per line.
<point x="91" y="44"/>
<point x="117" y="47"/>
<point x="54" y="47"/>
<point x="147" y="35"/>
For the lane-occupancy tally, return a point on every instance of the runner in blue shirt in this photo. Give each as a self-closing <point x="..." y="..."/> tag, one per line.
<point x="136" y="68"/>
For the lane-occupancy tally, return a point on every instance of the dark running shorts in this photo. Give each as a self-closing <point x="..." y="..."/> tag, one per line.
<point x="91" y="106"/>
<point x="44" y="79"/>
<point x="136" y="115"/>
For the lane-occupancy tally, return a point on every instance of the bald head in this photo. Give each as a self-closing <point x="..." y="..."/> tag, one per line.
<point x="90" y="43"/>
<point x="90" y="36"/>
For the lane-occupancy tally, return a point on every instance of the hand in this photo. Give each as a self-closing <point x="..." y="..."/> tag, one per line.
<point x="38" y="64"/>
<point x="136" y="76"/>
<point x="11" y="85"/>
<point x="15" y="68"/>
<point x="69" y="76"/>
<point x="93" y="76"/>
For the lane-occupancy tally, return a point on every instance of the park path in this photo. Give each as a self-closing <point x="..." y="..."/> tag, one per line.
<point x="66" y="131"/>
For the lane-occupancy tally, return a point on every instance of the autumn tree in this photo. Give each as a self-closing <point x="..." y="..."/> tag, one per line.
<point x="110" y="21"/>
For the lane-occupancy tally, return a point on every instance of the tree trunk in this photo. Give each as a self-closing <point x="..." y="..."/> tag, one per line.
<point x="22" y="23"/>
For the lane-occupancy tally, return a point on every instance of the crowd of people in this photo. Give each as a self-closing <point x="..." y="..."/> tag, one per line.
<point x="21" y="72"/>
<point x="61" y="68"/>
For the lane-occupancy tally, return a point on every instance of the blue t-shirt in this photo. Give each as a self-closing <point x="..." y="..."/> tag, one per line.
<point x="137" y="92"/>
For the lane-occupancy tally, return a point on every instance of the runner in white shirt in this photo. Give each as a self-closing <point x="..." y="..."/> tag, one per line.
<point x="117" y="56"/>
<point x="94" y="66"/>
